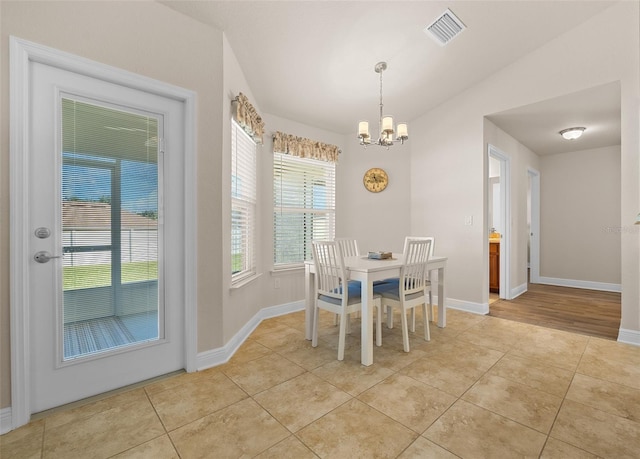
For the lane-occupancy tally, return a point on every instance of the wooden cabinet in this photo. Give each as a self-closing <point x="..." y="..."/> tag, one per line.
<point x="494" y="267"/>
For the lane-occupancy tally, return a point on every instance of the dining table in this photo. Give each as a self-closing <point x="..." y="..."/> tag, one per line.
<point x="367" y="271"/>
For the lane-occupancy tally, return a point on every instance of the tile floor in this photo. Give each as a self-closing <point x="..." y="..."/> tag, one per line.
<point x="482" y="388"/>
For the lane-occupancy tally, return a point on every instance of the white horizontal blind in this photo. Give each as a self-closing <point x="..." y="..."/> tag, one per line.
<point x="243" y="204"/>
<point x="304" y="207"/>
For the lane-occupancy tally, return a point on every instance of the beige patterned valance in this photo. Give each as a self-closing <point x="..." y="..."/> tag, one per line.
<point x="304" y="148"/>
<point x="248" y="118"/>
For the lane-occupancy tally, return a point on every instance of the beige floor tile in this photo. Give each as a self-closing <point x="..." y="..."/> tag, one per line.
<point x="177" y="380"/>
<point x="351" y="376"/>
<point x="263" y="373"/>
<point x="243" y="429"/>
<point x="613" y="398"/>
<point x="459" y="321"/>
<point x="301" y="400"/>
<point x="423" y="448"/>
<point x="250" y="350"/>
<point x="281" y="339"/>
<point x="470" y="431"/>
<point x="395" y="358"/>
<point x="533" y="373"/>
<point x="289" y="447"/>
<point x="24" y="442"/>
<point x="408" y="401"/>
<point x="158" y="448"/>
<point x="188" y="402"/>
<point x="453" y="372"/>
<point x="600" y="433"/>
<point x="356" y="430"/>
<point x="494" y="333"/>
<point x="63" y="416"/>
<point x="106" y="433"/>
<point x="520" y="403"/>
<point x="302" y="353"/>
<point x="613" y="361"/>
<point x="553" y="347"/>
<point x="274" y="325"/>
<point x="556" y="449"/>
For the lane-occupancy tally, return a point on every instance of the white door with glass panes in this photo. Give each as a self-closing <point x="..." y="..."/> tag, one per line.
<point x="105" y="207"/>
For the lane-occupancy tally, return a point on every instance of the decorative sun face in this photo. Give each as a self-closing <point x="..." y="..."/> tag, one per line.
<point x="375" y="180"/>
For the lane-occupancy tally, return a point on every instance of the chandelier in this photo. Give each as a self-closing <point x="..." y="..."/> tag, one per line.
<point x="385" y="126"/>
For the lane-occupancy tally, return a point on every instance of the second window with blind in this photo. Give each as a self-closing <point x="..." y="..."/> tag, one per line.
<point x="304" y="207"/>
<point x="243" y="205"/>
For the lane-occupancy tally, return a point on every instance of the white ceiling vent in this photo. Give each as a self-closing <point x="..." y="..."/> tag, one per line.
<point x="445" y="28"/>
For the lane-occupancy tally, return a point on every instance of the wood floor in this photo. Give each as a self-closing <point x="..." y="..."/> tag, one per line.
<point x="588" y="312"/>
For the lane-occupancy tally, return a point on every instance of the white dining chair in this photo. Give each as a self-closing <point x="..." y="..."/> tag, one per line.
<point x="412" y="288"/>
<point x="334" y="293"/>
<point x="433" y="243"/>
<point x="349" y="247"/>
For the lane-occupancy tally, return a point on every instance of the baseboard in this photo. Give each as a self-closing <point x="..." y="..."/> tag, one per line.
<point x="6" y="422"/>
<point x="218" y="356"/>
<point x="589" y="285"/>
<point x="519" y="290"/>
<point x="629" y="336"/>
<point x="468" y="306"/>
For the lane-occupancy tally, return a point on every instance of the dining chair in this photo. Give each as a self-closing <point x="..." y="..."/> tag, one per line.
<point x="349" y="247"/>
<point x="412" y="288"/>
<point x="428" y="281"/>
<point x="334" y="292"/>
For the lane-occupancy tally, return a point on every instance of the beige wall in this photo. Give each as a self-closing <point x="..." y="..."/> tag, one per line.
<point x="450" y="141"/>
<point x="580" y="230"/>
<point x="153" y="41"/>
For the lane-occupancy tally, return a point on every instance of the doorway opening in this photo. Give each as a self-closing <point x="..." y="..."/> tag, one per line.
<point x="498" y="183"/>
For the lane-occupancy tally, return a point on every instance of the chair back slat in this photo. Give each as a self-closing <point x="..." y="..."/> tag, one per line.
<point x="413" y="273"/>
<point x="330" y="270"/>
<point x="348" y="246"/>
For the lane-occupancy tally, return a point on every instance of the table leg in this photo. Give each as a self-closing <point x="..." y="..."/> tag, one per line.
<point x="366" y="338"/>
<point x="308" y="302"/>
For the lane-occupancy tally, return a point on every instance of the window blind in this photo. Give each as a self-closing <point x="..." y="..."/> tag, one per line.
<point x="304" y="207"/>
<point x="243" y="204"/>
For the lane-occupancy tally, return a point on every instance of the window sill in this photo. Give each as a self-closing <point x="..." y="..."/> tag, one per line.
<point x="244" y="281"/>
<point x="288" y="270"/>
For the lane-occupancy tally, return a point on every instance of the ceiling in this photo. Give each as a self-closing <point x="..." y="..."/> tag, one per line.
<point x="313" y="61"/>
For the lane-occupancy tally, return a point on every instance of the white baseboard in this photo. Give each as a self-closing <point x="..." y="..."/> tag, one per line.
<point x="629" y="336"/>
<point x="6" y="422"/>
<point x="519" y="290"/>
<point x="468" y="306"/>
<point x="215" y="357"/>
<point x="589" y="285"/>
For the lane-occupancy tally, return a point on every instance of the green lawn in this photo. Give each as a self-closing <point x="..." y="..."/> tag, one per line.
<point x="77" y="277"/>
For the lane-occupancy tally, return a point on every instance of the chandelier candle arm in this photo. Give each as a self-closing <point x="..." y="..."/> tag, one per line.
<point x="385" y="126"/>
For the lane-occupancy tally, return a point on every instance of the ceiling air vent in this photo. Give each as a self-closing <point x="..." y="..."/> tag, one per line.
<point x="445" y="28"/>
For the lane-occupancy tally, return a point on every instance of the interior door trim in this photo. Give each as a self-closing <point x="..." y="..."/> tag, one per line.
<point x="22" y="53"/>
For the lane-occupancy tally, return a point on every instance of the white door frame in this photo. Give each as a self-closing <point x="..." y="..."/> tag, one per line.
<point x="534" y="234"/>
<point x="505" y="205"/>
<point x="23" y="52"/>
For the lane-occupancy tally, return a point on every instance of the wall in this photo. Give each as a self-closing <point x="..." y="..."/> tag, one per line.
<point x="450" y="140"/>
<point x="580" y="216"/>
<point x="379" y="221"/>
<point x="141" y="45"/>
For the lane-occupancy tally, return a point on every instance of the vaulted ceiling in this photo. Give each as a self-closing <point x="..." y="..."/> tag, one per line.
<point x="313" y="61"/>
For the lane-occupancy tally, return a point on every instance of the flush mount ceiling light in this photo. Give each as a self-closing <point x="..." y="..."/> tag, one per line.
<point x="572" y="133"/>
<point x="385" y="126"/>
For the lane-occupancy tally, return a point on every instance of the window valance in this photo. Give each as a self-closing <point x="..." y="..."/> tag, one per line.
<point x="248" y="118"/>
<point x="304" y="148"/>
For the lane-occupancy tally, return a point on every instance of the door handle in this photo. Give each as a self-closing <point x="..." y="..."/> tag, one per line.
<point x="43" y="256"/>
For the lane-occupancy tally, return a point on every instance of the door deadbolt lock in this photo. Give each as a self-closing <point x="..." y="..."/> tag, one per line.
<point x="43" y="256"/>
<point x="42" y="232"/>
